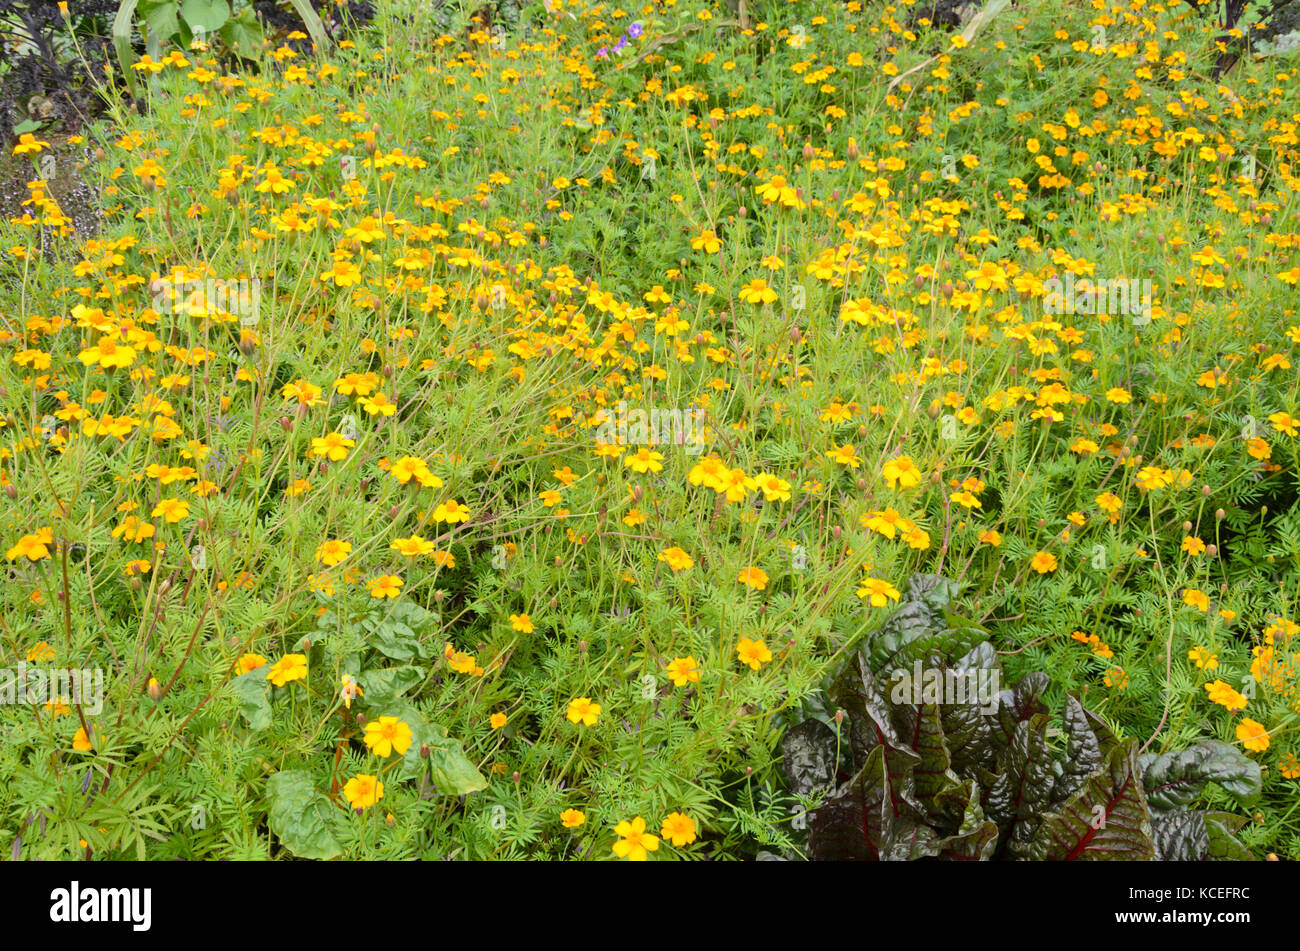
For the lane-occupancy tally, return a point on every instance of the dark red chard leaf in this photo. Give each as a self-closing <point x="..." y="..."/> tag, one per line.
<point x="811" y="754"/>
<point x="1022" y="790"/>
<point x="869" y="820"/>
<point x="1174" y="780"/>
<point x="1083" y="755"/>
<point x="1019" y="704"/>
<point x="1106" y="819"/>
<point x="976" y="838"/>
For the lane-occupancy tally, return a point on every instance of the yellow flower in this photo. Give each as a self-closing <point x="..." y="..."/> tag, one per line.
<point x="1043" y="562"/>
<point x="451" y="511"/>
<point x="677" y="559"/>
<point x="363" y="790"/>
<point x="901" y="473"/>
<point x="683" y="670"/>
<point x="572" y="818"/>
<point x="385" y="586"/>
<point x="288" y="668"/>
<point x="497" y="721"/>
<point x="582" y="710"/>
<point x="1252" y="735"/>
<point x="753" y="653"/>
<point x="251" y="662"/>
<point x="332" y="551"/>
<point x="32" y="547"/>
<point x="334" y="446"/>
<point x="521" y="622"/>
<point x="387" y="735"/>
<point x="755" y="578"/>
<point x="635" y="842"/>
<point x="173" y="510"/>
<point x="879" y="591"/>
<point x="679" y="829"/>
<point x="1196" y="599"/>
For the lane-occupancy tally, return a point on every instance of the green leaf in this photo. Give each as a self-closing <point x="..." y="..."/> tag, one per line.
<point x="1107" y="819"/>
<point x="209" y="15"/>
<point x="449" y="768"/>
<point x="244" y="33"/>
<point x="380" y="688"/>
<point x="1174" y="780"/>
<point x="253" y="692"/>
<point x="301" y="817"/>
<point x="161" y="19"/>
<point x="27" y="125"/>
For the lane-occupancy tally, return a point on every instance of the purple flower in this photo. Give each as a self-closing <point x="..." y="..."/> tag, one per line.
<point x="634" y="30"/>
<point x="602" y="53"/>
<point x="621" y="45"/>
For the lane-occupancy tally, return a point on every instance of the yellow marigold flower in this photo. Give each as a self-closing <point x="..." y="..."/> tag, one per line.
<point x="172" y="510"/>
<point x="677" y="559"/>
<point x="679" y="829"/>
<point x="753" y="653"/>
<point x="387" y="735"/>
<point x="1223" y="694"/>
<point x="683" y="670"/>
<point x="644" y="460"/>
<point x="251" y="662"/>
<point x="385" y="586"/>
<point x="634" y="841"/>
<point x="451" y="511"/>
<point x="1043" y="562"/>
<point x="582" y="710"/>
<point x="334" y="446"/>
<point x="879" y="592"/>
<point x="521" y="622"/>
<point x="572" y="818"/>
<point x="1252" y="735"/>
<point x="32" y="547"/>
<point x="413" y="547"/>
<point x="1204" y="659"/>
<point x="363" y="791"/>
<point x="845" y="455"/>
<point x="755" y="578"/>
<point x="901" y="473"/>
<point x="332" y="551"/>
<point x="497" y="721"/>
<point x="1196" y="599"/>
<point x="288" y="668"/>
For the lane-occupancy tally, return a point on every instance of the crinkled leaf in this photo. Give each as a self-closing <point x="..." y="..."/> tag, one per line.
<point x="1224" y="845"/>
<point x="1018" y="705"/>
<point x="867" y="820"/>
<point x="1174" y="780"/>
<point x="859" y="694"/>
<point x="1106" y="819"/>
<point x="450" y="770"/>
<point x="301" y="817"/>
<point x="253" y="693"/>
<point x="1083" y="755"/>
<point x="379" y="688"/>
<point x="976" y="838"/>
<point x="809" y="753"/>
<point x="1022" y="789"/>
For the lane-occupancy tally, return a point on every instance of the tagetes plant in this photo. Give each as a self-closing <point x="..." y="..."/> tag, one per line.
<point x="512" y="427"/>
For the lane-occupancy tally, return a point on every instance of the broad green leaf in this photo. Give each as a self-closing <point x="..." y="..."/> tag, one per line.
<point x="253" y="692"/>
<point x="1174" y="780"/>
<point x="1107" y="819"/>
<point x="301" y="817"/>
<point x="209" y="15"/>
